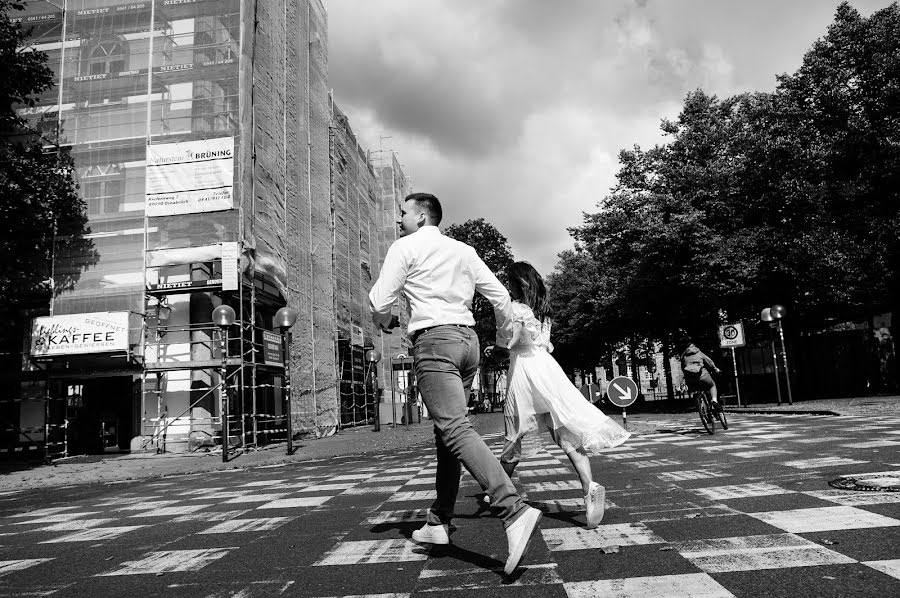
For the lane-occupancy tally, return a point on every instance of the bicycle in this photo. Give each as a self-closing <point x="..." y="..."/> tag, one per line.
<point x="709" y="414"/>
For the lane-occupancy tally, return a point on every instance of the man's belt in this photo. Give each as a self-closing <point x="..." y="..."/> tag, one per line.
<point x="415" y="335"/>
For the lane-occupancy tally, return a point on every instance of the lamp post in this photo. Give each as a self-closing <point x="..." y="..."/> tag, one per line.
<point x="778" y="312"/>
<point x="224" y="317"/>
<point x="372" y="358"/>
<point x="766" y="316"/>
<point x="285" y="318"/>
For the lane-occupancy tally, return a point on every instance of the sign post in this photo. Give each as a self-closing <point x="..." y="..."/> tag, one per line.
<point x="732" y="336"/>
<point x="622" y="392"/>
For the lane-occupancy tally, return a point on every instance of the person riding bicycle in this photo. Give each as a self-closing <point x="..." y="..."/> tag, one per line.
<point x="696" y="367"/>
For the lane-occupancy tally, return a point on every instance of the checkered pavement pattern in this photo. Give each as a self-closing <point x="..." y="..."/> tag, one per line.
<point x="688" y="514"/>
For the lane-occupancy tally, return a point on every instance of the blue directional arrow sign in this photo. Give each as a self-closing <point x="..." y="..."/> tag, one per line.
<point x="622" y="391"/>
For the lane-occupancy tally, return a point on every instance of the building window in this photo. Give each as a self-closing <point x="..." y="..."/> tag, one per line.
<point x="107" y="57"/>
<point x="103" y="196"/>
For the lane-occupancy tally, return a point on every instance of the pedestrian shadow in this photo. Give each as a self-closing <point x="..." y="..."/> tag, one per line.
<point x="452" y="551"/>
<point x="570" y="517"/>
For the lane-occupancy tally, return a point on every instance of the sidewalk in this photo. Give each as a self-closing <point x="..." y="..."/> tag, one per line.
<point x="881" y="405"/>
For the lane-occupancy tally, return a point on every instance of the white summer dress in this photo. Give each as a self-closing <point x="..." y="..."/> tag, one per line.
<point x="540" y="396"/>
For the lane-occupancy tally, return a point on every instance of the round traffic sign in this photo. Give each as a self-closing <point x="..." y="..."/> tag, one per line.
<point x="730" y="333"/>
<point x="622" y="391"/>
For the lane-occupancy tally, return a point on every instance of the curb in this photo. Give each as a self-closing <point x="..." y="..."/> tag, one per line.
<point x="784" y="411"/>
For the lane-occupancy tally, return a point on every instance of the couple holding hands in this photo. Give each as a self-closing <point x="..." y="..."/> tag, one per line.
<point x="439" y="276"/>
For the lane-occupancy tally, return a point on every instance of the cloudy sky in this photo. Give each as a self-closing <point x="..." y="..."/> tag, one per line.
<point x="515" y="110"/>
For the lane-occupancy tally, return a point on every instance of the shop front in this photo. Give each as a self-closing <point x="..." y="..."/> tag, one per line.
<point x="85" y="383"/>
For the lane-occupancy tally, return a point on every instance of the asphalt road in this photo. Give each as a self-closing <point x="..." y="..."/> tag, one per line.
<point x="746" y="512"/>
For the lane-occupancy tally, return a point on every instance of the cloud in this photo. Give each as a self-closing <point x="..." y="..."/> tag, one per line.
<point x="515" y="110"/>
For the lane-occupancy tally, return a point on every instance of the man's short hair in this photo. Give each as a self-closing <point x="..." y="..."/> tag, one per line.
<point x="429" y="204"/>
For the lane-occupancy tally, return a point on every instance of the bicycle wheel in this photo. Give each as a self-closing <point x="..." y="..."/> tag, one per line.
<point x="706" y="416"/>
<point x="720" y="415"/>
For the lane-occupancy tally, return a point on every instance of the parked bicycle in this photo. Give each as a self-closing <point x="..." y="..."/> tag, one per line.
<point x="709" y="412"/>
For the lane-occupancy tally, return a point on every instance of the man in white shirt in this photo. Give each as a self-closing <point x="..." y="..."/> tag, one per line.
<point x="439" y="276"/>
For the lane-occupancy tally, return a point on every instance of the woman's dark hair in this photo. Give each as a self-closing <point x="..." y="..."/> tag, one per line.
<point x="527" y="286"/>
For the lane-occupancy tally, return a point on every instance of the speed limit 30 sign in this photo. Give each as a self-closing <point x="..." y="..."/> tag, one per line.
<point x="732" y="335"/>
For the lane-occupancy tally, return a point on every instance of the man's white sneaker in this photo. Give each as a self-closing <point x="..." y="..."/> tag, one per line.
<point x="595" y="504"/>
<point x="518" y="536"/>
<point x="432" y="534"/>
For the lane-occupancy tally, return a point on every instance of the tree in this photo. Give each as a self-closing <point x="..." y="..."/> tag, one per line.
<point x="40" y="212"/>
<point x="787" y="197"/>
<point x="493" y="248"/>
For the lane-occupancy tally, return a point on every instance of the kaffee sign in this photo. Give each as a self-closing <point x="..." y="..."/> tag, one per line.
<point x="72" y="334"/>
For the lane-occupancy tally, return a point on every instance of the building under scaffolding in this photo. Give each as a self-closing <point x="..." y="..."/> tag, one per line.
<point x="216" y="171"/>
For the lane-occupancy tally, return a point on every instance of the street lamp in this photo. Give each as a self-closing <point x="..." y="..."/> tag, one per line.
<point x="773" y="316"/>
<point x="285" y="318"/>
<point x="224" y="317"/>
<point x="778" y="312"/>
<point x="373" y="357"/>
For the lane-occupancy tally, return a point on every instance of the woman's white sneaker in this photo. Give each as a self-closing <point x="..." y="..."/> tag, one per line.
<point x="595" y="504"/>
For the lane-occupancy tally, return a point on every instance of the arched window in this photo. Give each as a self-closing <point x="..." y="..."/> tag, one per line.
<point x="108" y="56"/>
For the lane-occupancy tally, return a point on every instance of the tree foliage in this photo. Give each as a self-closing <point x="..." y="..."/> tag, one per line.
<point x="38" y="199"/>
<point x="787" y="197"/>
<point x="493" y="248"/>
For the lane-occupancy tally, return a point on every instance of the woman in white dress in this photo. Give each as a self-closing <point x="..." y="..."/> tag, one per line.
<point x="540" y="396"/>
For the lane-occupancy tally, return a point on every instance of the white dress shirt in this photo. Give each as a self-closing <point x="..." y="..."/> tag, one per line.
<point x="439" y="277"/>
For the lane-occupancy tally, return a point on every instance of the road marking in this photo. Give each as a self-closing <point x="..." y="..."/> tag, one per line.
<point x="254" y="498"/>
<point x="293" y="503"/>
<point x="351" y="477"/>
<point x="759" y="453"/>
<point x="475" y="578"/>
<point x="149" y="505"/>
<point x="528" y="463"/>
<point x="222" y="495"/>
<point x="396" y="516"/>
<point x="688" y="585"/>
<point x="248" y="525"/>
<point x="372" y="489"/>
<point x="890" y="567"/>
<point x="327" y="487"/>
<point x="852" y="498"/>
<point x="210" y="516"/>
<point x="695" y="474"/>
<point x="619" y="534"/>
<point x="740" y="491"/>
<point x="630" y="455"/>
<point x="692" y="512"/>
<point x="530" y="473"/>
<point x="656" y="463"/>
<point x="373" y="551"/>
<point x="417" y="495"/>
<point x="749" y="553"/>
<point x="871" y="444"/>
<point x="94" y="535"/>
<point x="801" y="521"/>
<point x="263" y="483"/>
<point x="564" y="505"/>
<point x="170" y="561"/>
<point x="170" y="511"/>
<point x="821" y="462"/>
<point x="420" y="482"/>
<point x="7" y="567"/>
<point x="43" y="512"/>
<point x="58" y="518"/>
<point x="552" y="486"/>
<point x="74" y="525"/>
